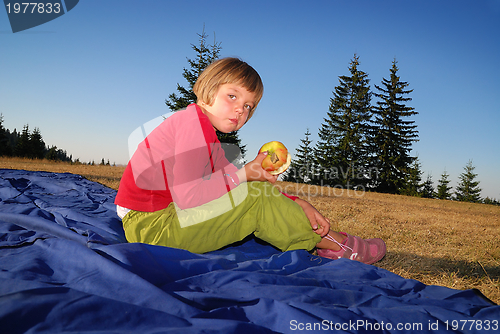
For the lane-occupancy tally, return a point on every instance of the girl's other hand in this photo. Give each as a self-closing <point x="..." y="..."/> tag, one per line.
<point x="319" y="223"/>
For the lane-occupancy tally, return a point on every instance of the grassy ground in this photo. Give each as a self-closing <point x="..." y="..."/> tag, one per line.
<point x="437" y="242"/>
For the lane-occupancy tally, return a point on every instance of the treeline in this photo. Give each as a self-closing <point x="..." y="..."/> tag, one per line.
<point x="366" y="144"/>
<point x="467" y="189"/>
<point x="30" y="144"/>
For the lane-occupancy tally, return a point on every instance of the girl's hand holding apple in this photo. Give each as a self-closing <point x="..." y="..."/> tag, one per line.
<point x="272" y="160"/>
<point x="278" y="159"/>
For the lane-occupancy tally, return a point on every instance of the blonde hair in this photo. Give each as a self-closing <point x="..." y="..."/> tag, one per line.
<point x="224" y="71"/>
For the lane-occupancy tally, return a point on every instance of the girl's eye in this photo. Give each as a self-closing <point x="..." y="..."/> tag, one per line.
<point x="232" y="97"/>
<point x="249" y="108"/>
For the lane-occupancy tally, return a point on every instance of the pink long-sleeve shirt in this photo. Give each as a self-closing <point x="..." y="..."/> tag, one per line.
<point x="180" y="161"/>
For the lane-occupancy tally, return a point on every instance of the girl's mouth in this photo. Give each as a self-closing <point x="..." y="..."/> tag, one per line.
<point x="234" y="121"/>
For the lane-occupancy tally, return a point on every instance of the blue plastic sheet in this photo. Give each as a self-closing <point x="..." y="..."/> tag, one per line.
<point x="65" y="266"/>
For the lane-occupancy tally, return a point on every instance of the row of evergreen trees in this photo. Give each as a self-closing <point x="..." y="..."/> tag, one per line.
<point x="362" y="145"/>
<point x="28" y="144"/>
<point x="367" y="146"/>
<point x="467" y="189"/>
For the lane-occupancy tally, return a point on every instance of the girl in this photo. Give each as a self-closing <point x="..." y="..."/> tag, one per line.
<point x="179" y="190"/>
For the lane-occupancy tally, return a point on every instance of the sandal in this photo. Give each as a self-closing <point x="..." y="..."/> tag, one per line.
<point x="352" y="247"/>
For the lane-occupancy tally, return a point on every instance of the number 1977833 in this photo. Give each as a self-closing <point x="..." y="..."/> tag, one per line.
<point x="33" y="7"/>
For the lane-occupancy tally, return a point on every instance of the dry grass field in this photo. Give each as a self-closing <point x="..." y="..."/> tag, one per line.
<point x="437" y="242"/>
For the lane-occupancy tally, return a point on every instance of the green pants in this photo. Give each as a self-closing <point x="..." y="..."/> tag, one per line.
<point x="253" y="207"/>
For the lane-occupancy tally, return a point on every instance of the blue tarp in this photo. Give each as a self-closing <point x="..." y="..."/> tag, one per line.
<point x="65" y="266"/>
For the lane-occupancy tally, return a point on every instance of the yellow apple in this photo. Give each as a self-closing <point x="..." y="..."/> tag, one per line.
<point x="277" y="160"/>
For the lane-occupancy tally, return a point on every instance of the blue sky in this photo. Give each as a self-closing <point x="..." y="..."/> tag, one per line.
<point x="90" y="77"/>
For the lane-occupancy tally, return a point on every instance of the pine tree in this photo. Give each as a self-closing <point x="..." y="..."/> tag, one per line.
<point x="428" y="188"/>
<point x="443" y="190"/>
<point x="52" y="153"/>
<point x="59" y="155"/>
<point x="205" y="55"/>
<point x="22" y="148"/>
<point x="4" y="139"/>
<point x="392" y="134"/>
<point x="467" y="189"/>
<point x="412" y="185"/>
<point x="324" y="153"/>
<point x="36" y="145"/>
<point x="13" y="140"/>
<point x="302" y="166"/>
<point x="341" y="151"/>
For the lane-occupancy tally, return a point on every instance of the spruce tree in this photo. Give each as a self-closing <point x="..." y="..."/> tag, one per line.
<point x="324" y="153"/>
<point x="443" y="190"/>
<point x="412" y="183"/>
<point x="392" y="133"/>
<point x="302" y="167"/>
<point x="52" y="153"/>
<point x="205" y="55"/>
<point x="22" y="148"/>
<point x="341" y="151"/>
<point x="37" y="147"/>
<point x="468" y="189"/>
<point x="428" y="188"/>
<point x="4" y="140"/>
<point x="13" y="140"/>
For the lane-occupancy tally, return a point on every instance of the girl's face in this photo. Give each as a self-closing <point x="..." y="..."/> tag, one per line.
<point x="230" y="109"/>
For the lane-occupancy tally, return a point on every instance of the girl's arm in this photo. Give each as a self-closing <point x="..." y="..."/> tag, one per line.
<point x="319" y="223"/>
